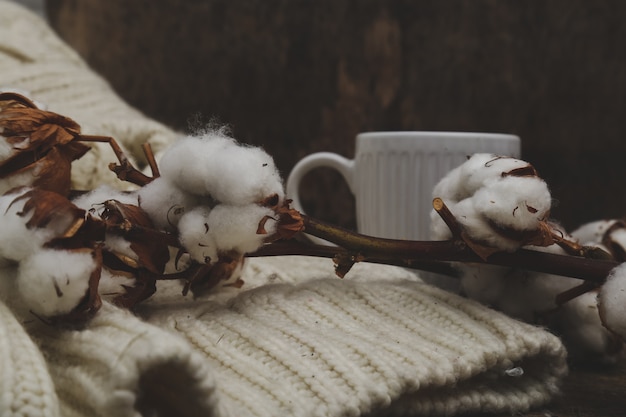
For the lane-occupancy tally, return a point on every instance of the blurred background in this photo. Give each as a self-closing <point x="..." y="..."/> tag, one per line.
<point x="298" y="76"/>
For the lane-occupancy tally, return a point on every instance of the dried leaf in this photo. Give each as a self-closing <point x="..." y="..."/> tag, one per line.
<point x="290" y="222"/>
<point x="15" y="100"/>
<point x="130" y="221"/>
<point x="207" y="276"/>
<point x="144" y="287"/>
<point x="48" y="206"/>
<point x="91" y="302"/>
<point x="43" y="129"/>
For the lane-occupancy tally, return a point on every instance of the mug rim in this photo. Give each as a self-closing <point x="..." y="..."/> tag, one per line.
<point x="435" y="134"/>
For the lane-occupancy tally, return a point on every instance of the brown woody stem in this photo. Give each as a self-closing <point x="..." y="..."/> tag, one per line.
<point x="417" y="254"/>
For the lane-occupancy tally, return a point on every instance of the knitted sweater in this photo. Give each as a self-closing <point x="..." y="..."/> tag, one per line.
<point x="294" y="340"/>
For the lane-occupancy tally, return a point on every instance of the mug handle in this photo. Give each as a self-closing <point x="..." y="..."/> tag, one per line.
<point x="344" y="166"/>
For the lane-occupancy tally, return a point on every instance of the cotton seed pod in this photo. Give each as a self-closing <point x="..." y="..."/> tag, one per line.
<point x="579" y="324"/>
<point x="165" y="203"/>
<point x="517" y="203"/>
<point x="186" y="162"/>
<point x="217" y="166"/>
<point x="53" y="282"/>
<point x="592" y="231"/>
<point x="195" y="235"/>
<point x="479" y="170"/>
<point x="612" y="301"/>
<point x="29" y="218"/>
<point x="236" y="228"/>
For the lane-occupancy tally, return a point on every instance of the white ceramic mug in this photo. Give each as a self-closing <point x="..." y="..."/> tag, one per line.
<point x="393" y="174"/>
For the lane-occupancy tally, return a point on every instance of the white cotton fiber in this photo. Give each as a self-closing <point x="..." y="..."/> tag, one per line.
<point x="245" y="175"/>
<point x="612" y="301"/>
<point x="94" y="200"/>
<point x="6" y="149"/>
<point x="482" y="169"/>
<point x="187" y="162"/>
<point x="475" y="225"/>
<point x="112" y="285"/>
<point x="235" y="227"/>
<point x="578" y="322"/>
<point x="24" y="178"/>
<point x="196" y="237"/>
<point x="17" y="240"/>
<point x="165" y="203"/>
<point x="53" y="282"/>
<point x="519" y="203"/>
<point x="592" y="231"/>
<point x="478" y="171"/>
<point x="214" y="165"/>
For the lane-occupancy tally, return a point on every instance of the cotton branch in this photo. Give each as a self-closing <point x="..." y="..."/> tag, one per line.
<point x="426" y="254"/>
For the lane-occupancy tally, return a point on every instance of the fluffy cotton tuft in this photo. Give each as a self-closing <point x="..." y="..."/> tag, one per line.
<point x="18" y="241"/>
<point x="196" y="236"/>
<point x="479" y="170"/>
<point x="518" y="203"/>
<point x="94" y="200"/>
<point x="53" y="282"/>
<point x="612" y="301"/>
<point x="593" y="231"/>
<point x="578" y="322"/>
<point x="217" y="166"/>
<point x="235" y="227"/>
<point x="493" y="198"/>
<point x="112" y="285"/>
<point x="165" y="203"/>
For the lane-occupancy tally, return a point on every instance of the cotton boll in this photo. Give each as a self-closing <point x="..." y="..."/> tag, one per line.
<point x="518" y="203"/>
<point x="215" y="165"/>
<point x="24" y="178"/>
<point x="54" y="282"/>
<point x="475" y="225"/>
<point x="612" y="301"/>
<point x="482" y="169"/>
<point x="118" y="245"/>
<point x="19" y="241"/>
<point x="593" y="231"/>
<point x="581" y="329"/>
<point x="244" y="175"/>
<point x="165" y="203"/>
<point x="94" y="200"/>
<point x="188" y="162"/>
<point x="112" y="285"/>
<point x="195" y="235"/>
<point x="6" y="149"/>
<point x="478" y="171"/>
<point x="235" y="227"/>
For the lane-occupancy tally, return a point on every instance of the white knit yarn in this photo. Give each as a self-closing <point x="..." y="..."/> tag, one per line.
<point x="119" y="363"/>
<point x="295" y="340"/>
<point x="26" y="388"/>
<point x="378" y="342"/>
<point x="34" y="59"/>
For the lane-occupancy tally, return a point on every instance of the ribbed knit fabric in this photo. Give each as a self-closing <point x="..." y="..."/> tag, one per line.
<point x="26" y="388"/>
<point x="35" y="60"/>
<point x="123" y="367"/>
<point x="294" y="341"/>
<point x="380" y="342"/>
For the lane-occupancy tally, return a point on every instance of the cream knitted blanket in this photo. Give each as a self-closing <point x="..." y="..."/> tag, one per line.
<point x="295" y="340"/>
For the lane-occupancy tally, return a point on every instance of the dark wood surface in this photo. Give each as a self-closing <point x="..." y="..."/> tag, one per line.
<point x="305" y="76"/>
<point x="588" y="391"/>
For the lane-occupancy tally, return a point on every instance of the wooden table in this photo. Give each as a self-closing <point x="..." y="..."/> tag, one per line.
<point x="588" y="391"/>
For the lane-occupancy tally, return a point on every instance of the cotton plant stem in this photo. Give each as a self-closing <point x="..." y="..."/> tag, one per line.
<point x="414" y="253"/>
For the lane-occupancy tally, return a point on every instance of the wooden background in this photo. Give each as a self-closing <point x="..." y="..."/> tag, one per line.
<point x="302" y="76"/>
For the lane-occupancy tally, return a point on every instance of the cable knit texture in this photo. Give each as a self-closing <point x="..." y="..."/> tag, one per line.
<point x="294" y="340"/>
